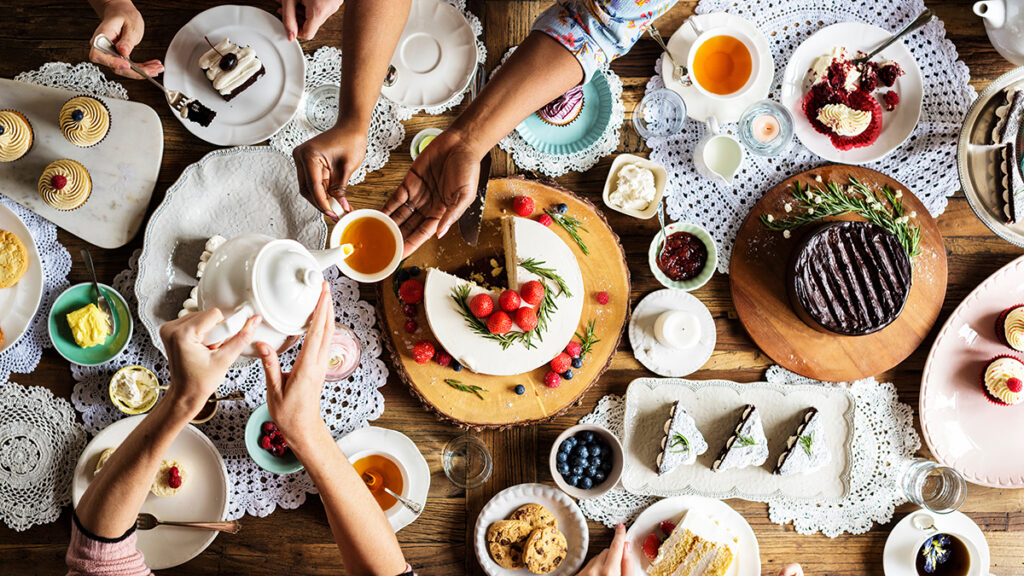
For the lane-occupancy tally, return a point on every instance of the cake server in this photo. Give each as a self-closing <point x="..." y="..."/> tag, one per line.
<point x="469" y="222"/>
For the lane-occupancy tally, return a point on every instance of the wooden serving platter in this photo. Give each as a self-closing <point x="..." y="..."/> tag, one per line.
<point x="603" y="270"/>
<point x="757" y="278"/>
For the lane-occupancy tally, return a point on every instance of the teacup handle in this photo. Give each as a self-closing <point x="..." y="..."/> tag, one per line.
<point x="713" y="125"/>
<point x="229" y="326"/>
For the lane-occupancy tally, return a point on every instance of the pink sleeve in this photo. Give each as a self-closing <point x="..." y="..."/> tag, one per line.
<point x="90" y="555"/>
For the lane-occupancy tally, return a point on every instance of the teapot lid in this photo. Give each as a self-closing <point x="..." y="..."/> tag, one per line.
<point x="286" y="285"/>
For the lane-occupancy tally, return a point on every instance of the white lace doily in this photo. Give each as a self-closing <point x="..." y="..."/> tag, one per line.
<point x="925" y="163"/>
<point x="385" y="134"/>
<point x="39" y="446"/>
<point x="346" y="406"/>
<point x="527" y="157"/>
<point x="403" y="113"/>
<point x="84" y="78"/>
<point x="883" y="439"/>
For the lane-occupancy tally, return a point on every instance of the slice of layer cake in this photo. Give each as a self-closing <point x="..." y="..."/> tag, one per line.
<point x="682" y="442"/>
<point x="806" y="449"/>
<point x="747" y="446"/>
<point x="231" y="68"/>
<point x="698" y="546"/>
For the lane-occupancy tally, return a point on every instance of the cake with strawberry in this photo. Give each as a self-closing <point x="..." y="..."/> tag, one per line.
<point x="697" y="546"/>
<point x="563" y="110"/>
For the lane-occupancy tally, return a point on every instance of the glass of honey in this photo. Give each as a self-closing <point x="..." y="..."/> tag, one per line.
<point x="376" y="245"/>
<point x="380" y="471"/>
<point x="723" y="63"/>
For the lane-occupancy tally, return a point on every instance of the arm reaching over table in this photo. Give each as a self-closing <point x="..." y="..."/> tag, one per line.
<point x="569" y="43"/>
<point x="122" y="23"/>
<point x="103" y="534"/>
<point x="616" y="560"/>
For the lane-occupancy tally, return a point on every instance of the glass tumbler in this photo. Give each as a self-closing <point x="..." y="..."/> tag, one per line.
<point x="467" y="462"/>
<point x="322" y="106"/>
<point x="660" y="114"/>
<point x="934" y="487"/>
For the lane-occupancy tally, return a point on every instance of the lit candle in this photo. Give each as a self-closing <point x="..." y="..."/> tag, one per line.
<point x="766" y="128"/>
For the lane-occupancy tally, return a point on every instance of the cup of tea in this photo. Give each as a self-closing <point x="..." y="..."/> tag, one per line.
<point x="718" y="155"/>
<point x="376" y="245"/>
<point x="722" y="62"/>
<point x="947" y="554"/>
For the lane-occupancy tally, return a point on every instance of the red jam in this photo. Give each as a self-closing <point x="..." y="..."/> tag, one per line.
<point x="683" y="256"/>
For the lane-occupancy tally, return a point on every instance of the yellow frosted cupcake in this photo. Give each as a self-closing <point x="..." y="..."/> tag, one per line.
<point x="65" y="184"/>
<point x="84" y="121"/>
<point x="16" y="136"/>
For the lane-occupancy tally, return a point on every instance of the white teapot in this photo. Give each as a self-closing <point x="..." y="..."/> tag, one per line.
<point x="1004" y="23"/>
<point x="255" y="274"/>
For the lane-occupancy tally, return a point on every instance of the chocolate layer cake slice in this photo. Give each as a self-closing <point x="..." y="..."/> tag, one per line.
<point x="849" y="278"/>
<point x="1009" y="182"/>
<point x="806" y="449"/>
<point x="231" y="68"/>
<point x="682" y="442"/>
<point x="747" y="446"/>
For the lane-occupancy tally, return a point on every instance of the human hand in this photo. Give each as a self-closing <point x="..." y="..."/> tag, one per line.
<point x="294" y="398"/>
<point x="791" y="569"/>
<point x="312" y="14"/>
<point x="197" y="369"/>
<point x="439" y="187"/>
<point x="123" y="24"/>
<point x="326" y="162"/>
<point x="614" y="560"/>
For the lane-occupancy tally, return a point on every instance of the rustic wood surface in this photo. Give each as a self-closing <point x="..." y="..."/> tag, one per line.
<point x="299" y="541"/>
<point x="758" y="288"/>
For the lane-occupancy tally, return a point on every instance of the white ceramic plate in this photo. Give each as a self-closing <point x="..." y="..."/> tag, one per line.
<point x="904" y="541"/>
<point x="661" y="359"/>
<point x="204" y="496"/>
<point x="415" y="471"/>
<point x="435" y="57"/>
<point x="897" y="125"/>
<point x="263" y="108"/>
<point x="699" y="106"/>
<point x="747" y="557"/>
<point x="19" y="303"/>
<point x="228" y="192"/>
<point x="570" y="521"/>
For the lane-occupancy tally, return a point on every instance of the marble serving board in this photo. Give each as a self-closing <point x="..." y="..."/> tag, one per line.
<point x="123" y="167"/>
<point x="716" y="406"/>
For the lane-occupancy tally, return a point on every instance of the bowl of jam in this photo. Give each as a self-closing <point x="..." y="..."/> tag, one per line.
<point x="688" y="259"/>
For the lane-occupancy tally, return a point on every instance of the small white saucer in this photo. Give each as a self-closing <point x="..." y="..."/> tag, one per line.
<point x="415" y="471"/>
<point x="905" y="539"/>
<point x="661" y="359"/>
<point x="699" y="106"/>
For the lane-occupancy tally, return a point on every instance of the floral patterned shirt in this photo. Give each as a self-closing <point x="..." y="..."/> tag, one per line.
<point x="599" y="31"/>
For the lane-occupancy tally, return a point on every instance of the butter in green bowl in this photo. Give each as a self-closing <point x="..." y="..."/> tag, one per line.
<point x="705" y="273"/>
<point x="77" y="297"/>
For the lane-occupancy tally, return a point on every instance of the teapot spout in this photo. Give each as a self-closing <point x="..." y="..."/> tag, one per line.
<point x="993" y="11"/>
<point x="333" y="256"/>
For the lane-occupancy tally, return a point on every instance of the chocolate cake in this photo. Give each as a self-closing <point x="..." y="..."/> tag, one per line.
<point x="849" y="278"/>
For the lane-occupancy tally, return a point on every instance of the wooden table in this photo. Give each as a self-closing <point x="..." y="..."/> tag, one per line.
<point x="299" y="541"/>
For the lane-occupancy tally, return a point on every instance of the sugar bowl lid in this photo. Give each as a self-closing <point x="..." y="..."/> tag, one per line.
<point x="286" y="285"/>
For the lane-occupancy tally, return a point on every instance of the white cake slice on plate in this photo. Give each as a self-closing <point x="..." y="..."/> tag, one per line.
<point x="698" y="546"/>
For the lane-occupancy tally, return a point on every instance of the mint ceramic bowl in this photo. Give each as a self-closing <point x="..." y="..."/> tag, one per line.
<point x="277" y="464"/>
<point x="77" y="297"/>
<point x="709" y="267"/>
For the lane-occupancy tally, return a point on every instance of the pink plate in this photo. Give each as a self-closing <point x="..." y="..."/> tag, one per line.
<point x="963" y="429"/>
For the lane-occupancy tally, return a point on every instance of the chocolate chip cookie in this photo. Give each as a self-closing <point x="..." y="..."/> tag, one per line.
<point x="544" y="550"/>
<point x="505" y="540"/>
<point x="536" y="515"/>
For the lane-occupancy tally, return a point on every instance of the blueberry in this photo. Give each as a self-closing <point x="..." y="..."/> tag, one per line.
<point x="520" y="389"/>
<point x="568" y="375"/>
<point x="586" y="483"/>
<point x="414" y="271"/>
<point x="562" y="457"/>
<point x="592" y="471"/>
<point x="586" y="436"/>
<point x="572" y="480"/>
<point x="563" y="469"/>
<point x="577" y="363"/>
<point x="571" y="441"/>
<point x="402" y="275"/>
<point x="596" y="450"/>
<point x="565" y="447"/>
<point x="77" y="115"/>
<point x="600" y="476"/>
<point x="581" y="451"/>
<point x="606" y="466"/>
<point x="561" y="208"/>
<point x="597" y="461"/>
<point x="582" y="462"/>
<point x="456" y="365"/>
<point x="577" y="470"/>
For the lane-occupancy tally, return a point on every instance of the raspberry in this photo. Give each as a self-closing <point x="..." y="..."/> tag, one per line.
<point x="602" y="297"/>
<point x="1014" y="385"/>
<point x="174" y="479"/>
<point x="411" y="291"/>
<point x="532" y="292"/>
<point x="526" y="318"/>
<point x="545" y="220"/>
<point x="59" y="181"/>
<point x="269" y="426"/>
<point x="499" y="323"/>
<point x="667" y="526"/>
<point x="283" y="443"/>
<point x="422" y="352"/>
<point x="509" y="301"/>
<point x="573" y="349"/>
<point x="409" y="310"/>
<point x="277" y="451"/>
<point x="265" y="442"/>
<point x="523" y="205"/>
<point x="411" y="326"/>
<point x="890" y="99"/>
<point x="481" y="305"/>
<point x="561" y="363"/>
<point x="651" y="545"/>
<point x="443" y="358"/>
<point x="552" y="380"/>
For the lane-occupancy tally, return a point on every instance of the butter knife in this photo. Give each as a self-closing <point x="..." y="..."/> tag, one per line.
<point x="469" y="222"/>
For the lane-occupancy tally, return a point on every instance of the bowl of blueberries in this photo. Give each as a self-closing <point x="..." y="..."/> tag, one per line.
<point x="586" y="461"/>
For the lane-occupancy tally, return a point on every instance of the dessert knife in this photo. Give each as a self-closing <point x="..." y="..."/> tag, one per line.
<point x="469" y="222"/>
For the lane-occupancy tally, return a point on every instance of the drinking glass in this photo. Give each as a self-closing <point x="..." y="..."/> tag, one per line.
<point x="759" y="112"/>
<point x="934" y="487"/>
<point x="660" y="114"/>
<point x="322" y="106"/>
<point x="467" y="462"/>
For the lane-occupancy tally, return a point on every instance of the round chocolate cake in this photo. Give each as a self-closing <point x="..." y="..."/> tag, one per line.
<point x="849" y="278"/>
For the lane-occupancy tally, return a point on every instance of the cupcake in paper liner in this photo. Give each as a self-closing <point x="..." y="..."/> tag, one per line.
<point x="16" y="136"/>
<point x="565" y="109"/>
<point x="84" y="121"/>
<point x="1010" y="327"/>
<point x="65" y="185"/>
<point x="1002" y="380"/>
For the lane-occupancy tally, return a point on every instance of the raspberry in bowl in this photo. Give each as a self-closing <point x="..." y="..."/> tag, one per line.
<point x="267" y="446"/>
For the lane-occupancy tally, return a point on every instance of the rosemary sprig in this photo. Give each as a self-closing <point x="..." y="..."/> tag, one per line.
<point x="537" y="268"/>
<point x="588" y="339"/>
<point x="679" y="440"/>
<point x="458" y="385"/>
<point x="459" y="295"/>
<point x="806" y="442"/>
<point x="884" y="209"/>
<point x="745" y="440"/>
<point x="572" y="225"/>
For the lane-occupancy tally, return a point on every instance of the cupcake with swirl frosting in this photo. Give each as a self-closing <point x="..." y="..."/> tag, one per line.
<point x="16" y="135"/>
<point x="84" y="121"/>
<point x="1003" y="380"/>
<point x="1010" y="327"/>
<point x="65" y="184"/>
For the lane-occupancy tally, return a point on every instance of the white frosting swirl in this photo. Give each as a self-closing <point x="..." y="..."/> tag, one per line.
<point x="226" y="81"/>
<point x="843" y="120"/>
<point x="997" y="373"/>
<point x="1013" y="328"/>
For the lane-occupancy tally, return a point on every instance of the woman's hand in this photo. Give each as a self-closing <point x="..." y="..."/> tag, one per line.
<point x="123" y="24"/>
<point x="326" y="162"/>
<point x="312" y="14"/>
<point x="439" y="187"/>
<point x="294" y="398"/>
<point x="197" y="369"/>
<point x="791" y="569"/>
<point x="614" y="561"/>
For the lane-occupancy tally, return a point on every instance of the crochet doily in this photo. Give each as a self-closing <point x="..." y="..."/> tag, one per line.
<point x="925" y="163"/>
<point x="39" y="447"/>
<point x="884" y="438"/>
<point x="345" y="406"/>
<point x="385" y="134"/>
<point x="84" y="78"/>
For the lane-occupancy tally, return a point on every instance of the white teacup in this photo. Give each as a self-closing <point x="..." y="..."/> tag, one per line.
<point x="718" y="156"/>
<point x="705" y="35"/>
<point x="396" y="258"/>
<point x="974" y="563"/>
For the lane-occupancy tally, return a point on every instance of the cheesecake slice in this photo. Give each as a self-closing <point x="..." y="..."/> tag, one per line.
<point x="806" y="450"/>
<point x="682" y="442"/>
<point x="747" y="446"/>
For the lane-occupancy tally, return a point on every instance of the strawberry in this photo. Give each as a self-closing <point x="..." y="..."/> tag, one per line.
<point x="667" y="526"/>
<point x="481" y="305"/>
<point x="523" y="205"/>
<point x="411" y="326"/>
<point x="443" y="358"/>
<point x="602" y="297"/>
<point x="545" y="220"/>
<point x="561" y="363"/>
<point x="552" y="380"/>
<point x="509" y="301"/>
<point x="411" y="291"/>
<point x="422" y="352"/>
<point x="573" y="349"/>
<point x="499" y="323"/>
<point x="526" y="318"/>
<point x="651" y="545"/>
<point x="532" y="292"/>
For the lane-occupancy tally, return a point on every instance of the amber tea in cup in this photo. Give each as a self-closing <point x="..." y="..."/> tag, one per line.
<point x="722" y="65"/>
<point x="375" y="241"/>
<point x="378" y="471"/>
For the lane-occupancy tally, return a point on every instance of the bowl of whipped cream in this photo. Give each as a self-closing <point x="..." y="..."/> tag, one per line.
<point x="635" y="186"/>
<point x="134" y="389"/>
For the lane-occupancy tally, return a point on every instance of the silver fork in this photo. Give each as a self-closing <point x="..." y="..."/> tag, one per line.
<point x="922" y="19"/>
<point x="176" y="99"/>
<point x="148" y="522"/>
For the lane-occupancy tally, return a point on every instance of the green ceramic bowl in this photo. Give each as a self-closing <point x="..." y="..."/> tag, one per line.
<point x="74" y="298"/>
<point x="709" y="267"/>
<point x="278" y="465"/>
